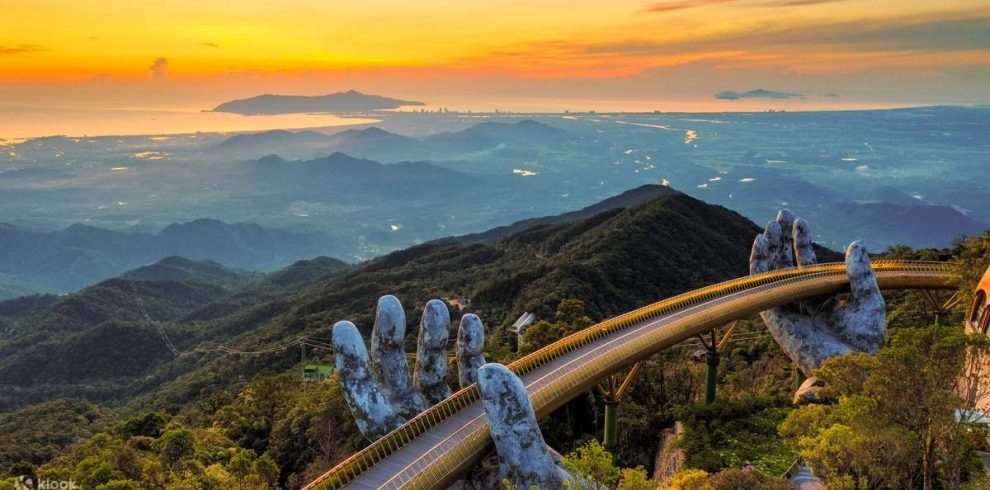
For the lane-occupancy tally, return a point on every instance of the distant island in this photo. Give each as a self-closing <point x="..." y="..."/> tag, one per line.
<point x="755" y="94"/>
<point x="350" y="101"/>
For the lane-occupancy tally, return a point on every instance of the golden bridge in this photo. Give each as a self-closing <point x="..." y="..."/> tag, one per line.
<point x="436" y="447"/>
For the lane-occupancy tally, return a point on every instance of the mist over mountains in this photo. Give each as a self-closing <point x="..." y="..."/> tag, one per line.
<point x="77" y="256"/>
<point x="81" y="210"/>
<point x="631" y="251"/>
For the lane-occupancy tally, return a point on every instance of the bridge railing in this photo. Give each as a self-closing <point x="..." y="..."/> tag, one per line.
<point x="377" y="451"/>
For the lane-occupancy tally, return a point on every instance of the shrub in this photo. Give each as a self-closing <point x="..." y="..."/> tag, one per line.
<point x="737" y="479"/>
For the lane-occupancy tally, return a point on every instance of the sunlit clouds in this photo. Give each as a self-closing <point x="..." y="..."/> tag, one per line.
<point x="437" y="48"/>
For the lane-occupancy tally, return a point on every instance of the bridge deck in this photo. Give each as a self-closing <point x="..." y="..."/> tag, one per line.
<point x="437" y="447"/>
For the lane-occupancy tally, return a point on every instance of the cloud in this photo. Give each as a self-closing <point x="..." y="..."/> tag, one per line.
<point x="159" y="69"/>
<point x="670" y="6"/>
<point x="211" y="45"/>
<point x="683" y="4"/>
<point x="797" y="3"/>
<point x="905" y="33"/>
<point x="20" y="49"/>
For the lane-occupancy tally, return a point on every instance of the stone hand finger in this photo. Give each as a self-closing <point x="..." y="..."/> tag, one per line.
<point x="803" y="249"/>
<point x="772" y="232"/>
<point x="863" y="319"/>
<point x="369" y="407"/>
<point x="387" y="351"/>
<point x="523" y="456"/>
<point x="470" y="344"/>
<point x="431" y="352"/>
<point x="785" y="255"/>
<point x="759" y="256"/>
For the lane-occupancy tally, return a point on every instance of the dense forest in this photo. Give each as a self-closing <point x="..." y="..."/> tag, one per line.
<point x="121" y="385"/>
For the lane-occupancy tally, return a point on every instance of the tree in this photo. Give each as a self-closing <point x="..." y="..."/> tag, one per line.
<point x="176" y="444"/>
<point x="690" y="479"/>
<point x="635" y="479"/>
<point x="595" y="462"/>
<point x="743" y="479"/>
<point x="896" y="422"/>
<point x="149" y="424"/>
<point x="569" y="318"/>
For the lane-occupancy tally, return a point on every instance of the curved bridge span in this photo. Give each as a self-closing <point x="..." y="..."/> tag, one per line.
<point x="435" y="448"/>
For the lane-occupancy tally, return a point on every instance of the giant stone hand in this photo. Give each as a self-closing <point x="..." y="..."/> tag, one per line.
<point x="814" y="330"/>
<point x="381" y="395"/>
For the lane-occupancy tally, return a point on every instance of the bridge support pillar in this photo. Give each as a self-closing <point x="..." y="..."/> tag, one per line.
<point x="611" y="423"/>
<point x="612" y="394"/>
<point x="711" y="378"/>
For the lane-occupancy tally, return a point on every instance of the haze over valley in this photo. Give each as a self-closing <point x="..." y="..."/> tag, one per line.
<point x="906" y="176"/>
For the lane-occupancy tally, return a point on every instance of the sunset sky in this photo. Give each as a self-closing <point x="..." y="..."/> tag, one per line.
<point x="149" y="54"/>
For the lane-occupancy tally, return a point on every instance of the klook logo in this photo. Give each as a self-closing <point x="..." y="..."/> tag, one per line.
<point x="26" y="483"/>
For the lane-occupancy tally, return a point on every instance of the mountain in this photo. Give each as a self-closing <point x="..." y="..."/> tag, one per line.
<point x="490" y="135"/>
<point x="896" y="224"/>
<point x="107" y="331"/>
<point x="622" y="258"/>
<point x="253" y="145"/>
<point x="80" y="255"/>
<point x="613" y="261"/>
<point x="380" y="145"/>
<point x="755" y="94"/>
<point x="628" y="199"/>
<point x="181" y="269"/>
<point x="362" y="180"/>
<point x="350" y="101"/>
<point x="376" y="144"/>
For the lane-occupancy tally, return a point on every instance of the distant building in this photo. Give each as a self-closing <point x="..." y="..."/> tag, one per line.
<point x="460" y="303"/>
<point x="521" y="323"/>
<point x="317" y="372"/>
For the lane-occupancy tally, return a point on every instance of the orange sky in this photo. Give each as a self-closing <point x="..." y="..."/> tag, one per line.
<point x="195" y="52"/>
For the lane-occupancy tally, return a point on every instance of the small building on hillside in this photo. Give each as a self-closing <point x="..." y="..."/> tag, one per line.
<point x="460" y="303"/>
<point x="317" y="372"/>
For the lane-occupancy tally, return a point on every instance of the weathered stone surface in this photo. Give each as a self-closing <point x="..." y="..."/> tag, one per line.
<point x="470" y="344"/>
<point x="390" y="358"/>
<point x="803" y="250"/>
<point x="527" y="461"/>
<point x="431" y="352"/>
<point x="523" y="456"/>
<point x="369" y="407"/>
<point x="814" y="330"/>
<point x="785" y="252"/>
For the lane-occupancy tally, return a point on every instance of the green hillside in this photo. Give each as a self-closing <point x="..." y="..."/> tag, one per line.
<point x="254" y="412"/>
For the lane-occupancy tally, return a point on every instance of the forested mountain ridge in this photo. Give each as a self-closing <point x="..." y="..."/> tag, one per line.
<point x="80" y="255"/>
<point x="611" y="262"/>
